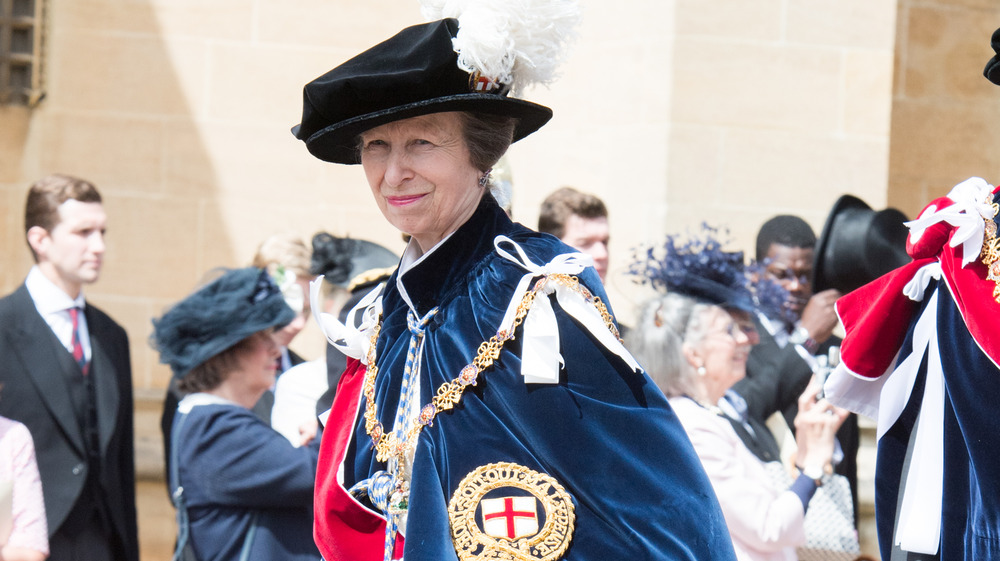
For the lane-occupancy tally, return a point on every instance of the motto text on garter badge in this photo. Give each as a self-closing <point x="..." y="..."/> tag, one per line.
<point x="507" y="511"/>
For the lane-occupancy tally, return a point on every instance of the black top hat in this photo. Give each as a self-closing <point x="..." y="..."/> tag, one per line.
<point x="413" y="73"/>
<point x="858" y="245"/>
<point x="992" y="70"/>
<point x="218" y="315"/>
<point x="345" y="261"/>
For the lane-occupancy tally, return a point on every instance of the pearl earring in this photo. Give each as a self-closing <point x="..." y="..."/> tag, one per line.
<point x="701" y="371"/>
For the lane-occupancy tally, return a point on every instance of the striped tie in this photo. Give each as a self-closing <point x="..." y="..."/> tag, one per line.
<point x="78" y="356"/>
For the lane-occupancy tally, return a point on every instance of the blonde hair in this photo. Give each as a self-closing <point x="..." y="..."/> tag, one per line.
<point x="286" y="250"/>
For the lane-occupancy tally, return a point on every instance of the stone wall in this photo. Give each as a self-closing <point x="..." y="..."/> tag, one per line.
<point x="673" y="111"/>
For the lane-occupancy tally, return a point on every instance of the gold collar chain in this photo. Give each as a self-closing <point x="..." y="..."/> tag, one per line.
<point x="386" y="443"/>
<point x="991" y="249"/>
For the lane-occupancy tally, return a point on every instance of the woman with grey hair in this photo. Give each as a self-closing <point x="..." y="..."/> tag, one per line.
<point x="694" y="340"/>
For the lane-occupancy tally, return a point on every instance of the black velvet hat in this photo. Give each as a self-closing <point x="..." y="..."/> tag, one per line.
<point x="413" y="73"/>
<point x="858" y="245"/>
<point x="218" y="315"/>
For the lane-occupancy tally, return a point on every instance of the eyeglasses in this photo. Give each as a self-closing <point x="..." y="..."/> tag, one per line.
<point x="735" y="327"/>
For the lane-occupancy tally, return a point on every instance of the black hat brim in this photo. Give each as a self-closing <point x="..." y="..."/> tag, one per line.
<point x="858" y="245"/>
<point x="338" y="144"/>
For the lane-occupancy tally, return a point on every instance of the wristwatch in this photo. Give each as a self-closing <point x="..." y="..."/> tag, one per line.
<point x="801" y="337"/>
<point x="816" y="473"/>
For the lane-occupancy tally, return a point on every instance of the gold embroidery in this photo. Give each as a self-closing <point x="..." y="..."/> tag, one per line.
<point x="466" y="509"/>
<point x="450" y="393"/>
<point x="991" y="250"/>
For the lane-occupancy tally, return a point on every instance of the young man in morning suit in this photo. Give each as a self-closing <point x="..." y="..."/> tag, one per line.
<point x="66" y="375"/>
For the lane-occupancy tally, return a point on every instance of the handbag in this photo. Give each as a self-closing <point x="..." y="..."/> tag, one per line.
<point x="829" y="521"/>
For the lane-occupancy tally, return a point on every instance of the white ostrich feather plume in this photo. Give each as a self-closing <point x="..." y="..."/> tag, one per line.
<point x="515" y="42"/>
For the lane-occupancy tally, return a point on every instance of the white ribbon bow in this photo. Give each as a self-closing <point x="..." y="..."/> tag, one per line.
<point x="967" y="214"/>
<point x="351" y="341"/>
<point x="540" y="356"/>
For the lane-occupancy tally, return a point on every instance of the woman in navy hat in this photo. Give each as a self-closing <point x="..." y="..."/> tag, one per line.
<point x="491" y="411"/>
<point x="241" y="490"/>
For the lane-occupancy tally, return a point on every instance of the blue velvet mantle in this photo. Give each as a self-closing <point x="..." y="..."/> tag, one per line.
<point x="604" y="432"/>
<point x="970" y="517"/>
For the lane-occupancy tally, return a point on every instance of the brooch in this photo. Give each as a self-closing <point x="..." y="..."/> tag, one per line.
<point x="507" y="511"/>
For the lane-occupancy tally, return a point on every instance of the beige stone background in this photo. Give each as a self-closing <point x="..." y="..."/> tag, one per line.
<point x="673" y="111"/>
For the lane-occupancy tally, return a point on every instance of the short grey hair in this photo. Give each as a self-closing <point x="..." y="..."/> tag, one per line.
<point x="666" y="323"/>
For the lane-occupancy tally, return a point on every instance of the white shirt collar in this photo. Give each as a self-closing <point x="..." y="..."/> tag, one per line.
<point x="48" y="297"/>
<point x="191" y="401"/>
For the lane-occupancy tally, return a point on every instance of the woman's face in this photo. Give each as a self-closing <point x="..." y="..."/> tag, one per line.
<point x="258" y="364"/>
<point x="723" y="348"/>
<point x="421" y="174"/>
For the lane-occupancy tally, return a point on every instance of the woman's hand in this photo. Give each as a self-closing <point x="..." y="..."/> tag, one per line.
<point x="816" y="425"/>
<point x="307" y="432"/>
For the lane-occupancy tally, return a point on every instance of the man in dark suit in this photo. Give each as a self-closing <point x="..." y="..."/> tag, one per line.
<point x="790" y="349"/>
<point x="66" y="375"/>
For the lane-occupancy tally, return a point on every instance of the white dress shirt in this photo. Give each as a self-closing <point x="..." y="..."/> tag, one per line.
<point x="53" y="305"/>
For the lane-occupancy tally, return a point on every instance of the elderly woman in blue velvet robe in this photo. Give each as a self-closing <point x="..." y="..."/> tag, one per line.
<point x="490" y="411"/>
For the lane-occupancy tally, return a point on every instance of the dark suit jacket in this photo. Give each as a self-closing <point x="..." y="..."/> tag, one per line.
<point x="33" y="372"/>
<point x="775" y="379"/>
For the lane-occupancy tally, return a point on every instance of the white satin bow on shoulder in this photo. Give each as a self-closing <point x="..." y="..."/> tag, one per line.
<point x="351" y="341"/>
<point x="540" y="356"/>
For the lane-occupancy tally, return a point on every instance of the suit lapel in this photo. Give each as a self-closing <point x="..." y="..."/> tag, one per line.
<point x="105" y="382"/>
<point x="39" y="353"/>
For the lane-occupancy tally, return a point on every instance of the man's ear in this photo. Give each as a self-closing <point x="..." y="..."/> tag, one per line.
<point x="38" y="240"/>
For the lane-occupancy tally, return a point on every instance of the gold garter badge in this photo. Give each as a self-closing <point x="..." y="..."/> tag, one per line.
<point x="507" y="511"/>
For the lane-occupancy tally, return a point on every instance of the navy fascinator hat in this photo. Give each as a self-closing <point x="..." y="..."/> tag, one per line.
<point x="700" y="269"/>
<point x="218" y="315"/>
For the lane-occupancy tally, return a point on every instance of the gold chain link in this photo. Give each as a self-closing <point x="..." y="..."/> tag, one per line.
<point x="991" y="251"/>
<point x="450" y="393"/>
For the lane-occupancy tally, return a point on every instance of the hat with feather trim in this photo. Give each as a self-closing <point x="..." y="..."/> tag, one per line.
<point x="700" y="269"/>
<point x="218" y="315"/>
<point x="474" y="63"/>
<point x="350" y="262"/>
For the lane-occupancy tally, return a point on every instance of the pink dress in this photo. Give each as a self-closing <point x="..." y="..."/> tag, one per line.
<point x="17" y="463"/>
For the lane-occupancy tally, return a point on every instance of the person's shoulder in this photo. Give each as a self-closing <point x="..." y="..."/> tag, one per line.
<point x="15" y="429"/>
<point x="14" y="302"/>
<point x="101" y="321"/>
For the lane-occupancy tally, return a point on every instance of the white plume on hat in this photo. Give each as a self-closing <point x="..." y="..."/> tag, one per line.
<point x="515" y="42"/>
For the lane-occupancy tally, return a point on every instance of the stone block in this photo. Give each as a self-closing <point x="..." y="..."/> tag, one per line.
<point x="696" y="155"/>
<point x="244" y="161"/>
<point x="731" y="20"/>
<point x="262" y="83"/>
<point x="220" y="19"/>
<point x="115" y="153"/>
<point x="945" y="52"/>
<point x="13" y="139"/>
<point x="757" y="86"/>
<point x="800" y="171"/>
<point x="944" y="139"/>
<point x="854" y="24"/>
<point x="867" y="93"/>
<point x="136" y="74"/>
<point x="353" y="25"/>
<point x="150" y="245"/>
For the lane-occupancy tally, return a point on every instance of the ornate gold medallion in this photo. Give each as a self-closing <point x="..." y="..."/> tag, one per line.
<point x="507" y="511"/>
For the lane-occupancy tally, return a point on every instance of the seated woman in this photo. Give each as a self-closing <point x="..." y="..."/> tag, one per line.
<point x="693" y="341"/>
<point x="241" y="489"/>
